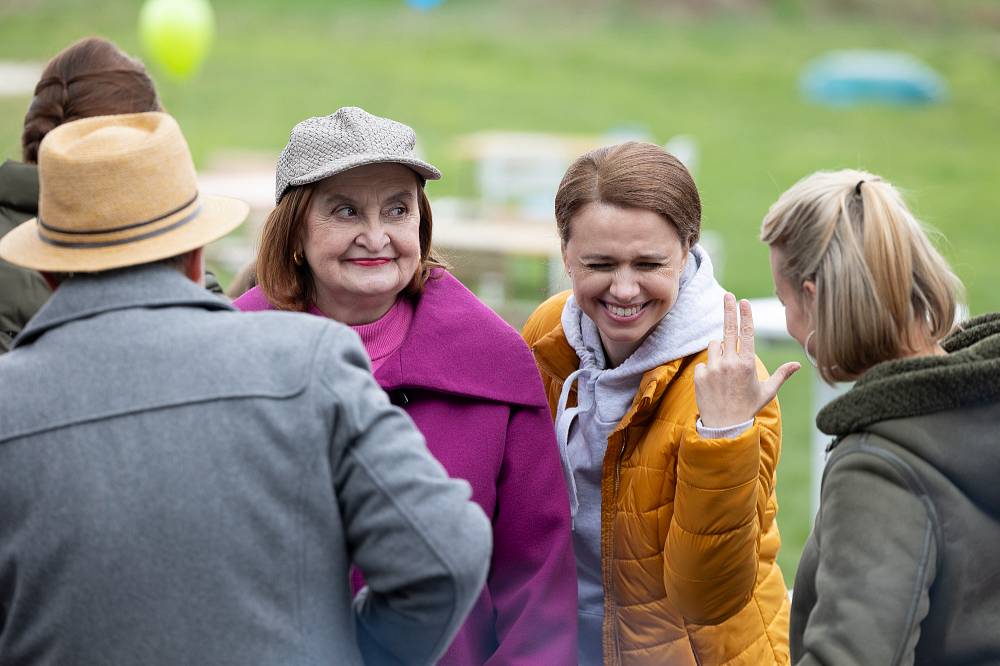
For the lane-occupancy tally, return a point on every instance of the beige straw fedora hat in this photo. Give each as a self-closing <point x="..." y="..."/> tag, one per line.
<point x="117" y="191"/>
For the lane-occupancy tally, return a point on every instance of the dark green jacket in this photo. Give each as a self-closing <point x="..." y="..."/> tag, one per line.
<point x="22" y="291"/>
<point x="903" y="566"/>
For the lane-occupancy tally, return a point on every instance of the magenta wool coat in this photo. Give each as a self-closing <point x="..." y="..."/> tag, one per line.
<point x="470" y="384"/>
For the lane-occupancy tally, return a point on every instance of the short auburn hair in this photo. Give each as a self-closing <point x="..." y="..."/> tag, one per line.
<point x="289" y="286"/>
<point x="89" y="78"/>
<point x="631" y="175"/>
<point x="877" y="275"/>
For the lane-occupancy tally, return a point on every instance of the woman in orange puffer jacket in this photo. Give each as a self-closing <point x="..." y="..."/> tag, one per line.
<point x="668" y="426"/>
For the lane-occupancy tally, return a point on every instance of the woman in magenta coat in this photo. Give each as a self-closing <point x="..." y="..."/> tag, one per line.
<point x="350" y="240"/>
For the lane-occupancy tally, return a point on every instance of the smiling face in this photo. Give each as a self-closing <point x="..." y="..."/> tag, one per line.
<point x="361" y="239"/>
<point x="625" y="265"/>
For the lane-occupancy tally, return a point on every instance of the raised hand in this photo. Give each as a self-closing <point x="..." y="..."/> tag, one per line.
<point x="726" y="388"/>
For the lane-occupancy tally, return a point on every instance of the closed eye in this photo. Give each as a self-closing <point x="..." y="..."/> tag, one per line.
<point x="600" y="266"/>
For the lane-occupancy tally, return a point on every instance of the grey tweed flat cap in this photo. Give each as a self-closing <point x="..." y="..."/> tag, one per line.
<point x="351" y="137"/>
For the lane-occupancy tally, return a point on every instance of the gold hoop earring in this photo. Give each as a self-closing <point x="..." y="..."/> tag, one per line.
<point x="297" y="258"/>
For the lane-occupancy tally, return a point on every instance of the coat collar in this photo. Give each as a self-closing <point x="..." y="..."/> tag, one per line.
<point x="967" y="376"/>
<point x="555" y="356"/>
<point x="86" y="295"/>
<point x="457" y="345"/>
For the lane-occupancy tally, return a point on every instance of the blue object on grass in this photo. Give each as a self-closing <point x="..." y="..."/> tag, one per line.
<point x="424" y="5"/>
<point x="844" y="78"/>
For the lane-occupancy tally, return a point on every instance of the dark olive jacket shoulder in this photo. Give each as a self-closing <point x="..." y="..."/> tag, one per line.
<point x="903" y="566"/>
<point x="22" y="291"/>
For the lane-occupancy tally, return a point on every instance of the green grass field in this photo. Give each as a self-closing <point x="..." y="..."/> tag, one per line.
<point x="728" y="80"/>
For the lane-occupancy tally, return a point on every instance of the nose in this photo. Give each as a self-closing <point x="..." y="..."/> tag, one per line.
<point x="372" y="237"/>
<point x="624" y="286"/>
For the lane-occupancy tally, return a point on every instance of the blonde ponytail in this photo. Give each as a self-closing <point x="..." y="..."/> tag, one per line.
<point x="882" y="290"/>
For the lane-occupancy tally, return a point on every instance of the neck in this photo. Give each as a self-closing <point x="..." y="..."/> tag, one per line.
<point x="363" y="311"/>
<point x="924" y="344"/>
<point x="928" y="349"/>
<point x="615" y="353"/>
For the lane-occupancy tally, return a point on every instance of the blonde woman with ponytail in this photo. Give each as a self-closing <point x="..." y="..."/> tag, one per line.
<point x="903" y="565"/>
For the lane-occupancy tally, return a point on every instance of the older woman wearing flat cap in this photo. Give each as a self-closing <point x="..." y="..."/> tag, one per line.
<point x="350" y="239"/>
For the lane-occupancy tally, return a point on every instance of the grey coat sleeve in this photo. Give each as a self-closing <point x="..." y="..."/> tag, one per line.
<point x="423" y="545"/>
<point x="877" y="560"/>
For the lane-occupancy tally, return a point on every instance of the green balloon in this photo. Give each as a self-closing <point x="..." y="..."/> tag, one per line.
<point x="177" y="34"/>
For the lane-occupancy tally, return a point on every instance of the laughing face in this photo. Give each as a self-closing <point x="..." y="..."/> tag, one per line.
<point x="625" y="265"/>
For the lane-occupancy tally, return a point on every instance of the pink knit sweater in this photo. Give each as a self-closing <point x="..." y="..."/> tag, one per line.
<point x="383" y="336"/>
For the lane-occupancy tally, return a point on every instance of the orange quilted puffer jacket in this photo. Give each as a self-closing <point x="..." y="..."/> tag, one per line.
<point x="688" y="530"/>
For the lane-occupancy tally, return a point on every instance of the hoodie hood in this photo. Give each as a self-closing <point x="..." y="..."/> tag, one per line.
<point x="604" y="394"/>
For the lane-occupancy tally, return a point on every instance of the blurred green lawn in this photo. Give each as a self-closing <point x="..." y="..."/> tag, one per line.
<point x="730" y="81"/>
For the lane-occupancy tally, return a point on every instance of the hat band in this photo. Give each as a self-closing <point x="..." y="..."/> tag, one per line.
<point x="116" y="235"/>
<point x="49" y="227"/>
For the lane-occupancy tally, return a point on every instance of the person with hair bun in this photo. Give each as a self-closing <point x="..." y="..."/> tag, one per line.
<point x="89" y="78"/>
<point x="903" y="563"/>
<point x="667" y="424"/>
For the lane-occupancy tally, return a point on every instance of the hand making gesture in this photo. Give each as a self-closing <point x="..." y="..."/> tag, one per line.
<point x="726" y="388"/>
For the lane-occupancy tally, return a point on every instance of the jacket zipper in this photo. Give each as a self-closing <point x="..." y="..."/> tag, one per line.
<point x="618" y="470"/>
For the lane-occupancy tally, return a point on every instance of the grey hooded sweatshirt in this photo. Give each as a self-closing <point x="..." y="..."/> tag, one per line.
<point x="604" y="395"/>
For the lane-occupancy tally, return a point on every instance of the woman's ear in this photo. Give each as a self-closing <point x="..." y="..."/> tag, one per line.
<point x="809" y="289"/>
<point x="808" y="295"/>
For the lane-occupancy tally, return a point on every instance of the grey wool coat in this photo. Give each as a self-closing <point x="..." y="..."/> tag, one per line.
<point x="903" y="565"/>
<point x="181" y="483"/>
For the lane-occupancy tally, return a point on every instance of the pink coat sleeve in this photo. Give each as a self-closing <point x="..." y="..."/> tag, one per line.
<point x="532" y="579"/>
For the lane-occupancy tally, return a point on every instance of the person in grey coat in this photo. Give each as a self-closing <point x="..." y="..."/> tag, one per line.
<point x="903" y="563"/>
<point x="166" y="500"/>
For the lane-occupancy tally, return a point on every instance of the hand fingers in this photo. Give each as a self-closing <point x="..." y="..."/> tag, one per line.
<point x="769" y="388"/>
<point x="714" y="353"/>
<point x="746" y="329"/>
<point x="729" y="330"/>
<point x="699" y="372"/>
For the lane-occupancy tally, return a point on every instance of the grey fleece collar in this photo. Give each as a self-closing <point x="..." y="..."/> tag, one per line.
<point x="969" y="375"/>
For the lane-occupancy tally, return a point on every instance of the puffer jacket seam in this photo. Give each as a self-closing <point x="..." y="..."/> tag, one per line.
<point x="675" y="575"/>
<point x="764" y="623"/>
<point x="748" y="482"/>
<point x="736" y="528"/>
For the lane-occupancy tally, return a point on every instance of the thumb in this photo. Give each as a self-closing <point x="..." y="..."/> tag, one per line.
<point x="780" y="376"/>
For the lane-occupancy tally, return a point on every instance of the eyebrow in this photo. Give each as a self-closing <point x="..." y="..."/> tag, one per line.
<point x="336" y="196"/>
<point x="401" y="195"/>
<point x="641" y="257"/>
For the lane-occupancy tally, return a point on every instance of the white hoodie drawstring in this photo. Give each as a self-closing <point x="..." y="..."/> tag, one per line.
<point x="564" y="421"/>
